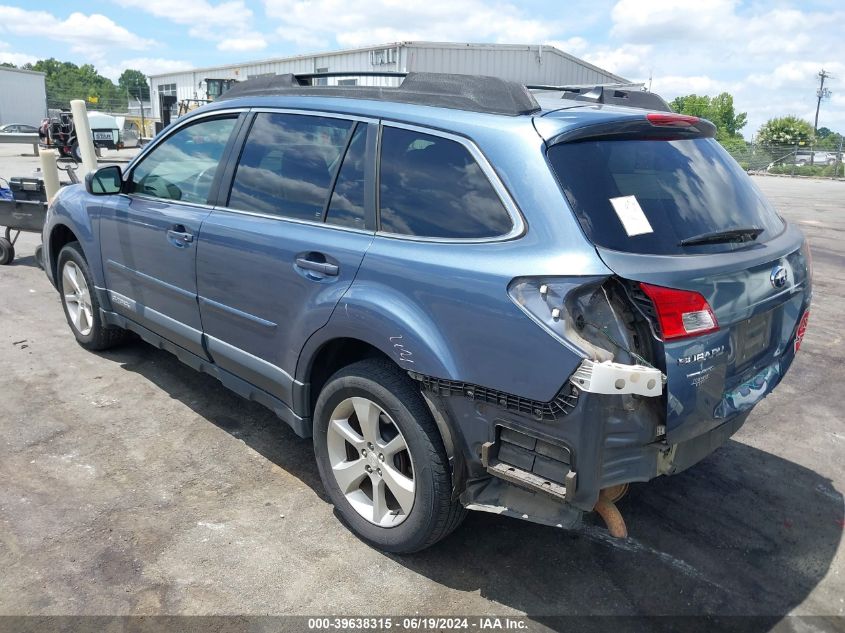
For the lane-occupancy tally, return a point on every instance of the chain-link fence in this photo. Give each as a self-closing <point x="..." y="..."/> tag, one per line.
<point x="137" y="117"/>
<point x="794" y="160"/>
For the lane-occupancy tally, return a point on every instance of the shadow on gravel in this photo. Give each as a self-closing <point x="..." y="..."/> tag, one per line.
<point x="29" y="260"/>
<point x="743" y="533"/>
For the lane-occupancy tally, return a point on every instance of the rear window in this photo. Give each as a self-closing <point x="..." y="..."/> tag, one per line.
<point x="646" y="196"/>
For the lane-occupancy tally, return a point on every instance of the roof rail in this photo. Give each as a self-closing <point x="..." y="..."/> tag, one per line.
<point x="460" y="92"/>
<point x="630" y="95"/>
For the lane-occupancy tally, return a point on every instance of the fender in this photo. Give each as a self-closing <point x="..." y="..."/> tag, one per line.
<point x="384" y="318"/>
<point x="76" y="210"/>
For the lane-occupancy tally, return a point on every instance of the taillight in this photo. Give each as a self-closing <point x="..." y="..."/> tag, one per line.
<point x="681" y="312"/>
<point x="802" y="329"/>
<point x="671" y="120"/>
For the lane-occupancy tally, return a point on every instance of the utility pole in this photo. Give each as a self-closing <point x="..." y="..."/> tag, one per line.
<point x="821" y="93"/>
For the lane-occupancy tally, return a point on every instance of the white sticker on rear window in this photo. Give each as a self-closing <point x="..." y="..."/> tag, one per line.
<point x="631" y="215"/>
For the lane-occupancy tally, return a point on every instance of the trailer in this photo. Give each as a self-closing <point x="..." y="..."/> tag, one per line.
<point x="23" y="208"/>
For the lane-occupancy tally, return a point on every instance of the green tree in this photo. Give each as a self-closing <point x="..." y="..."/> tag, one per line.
<point x="787" y="130"/>
<point x="828" y="139"/>
<point x="719" y="110"/>
<point x="66" y="81"/>
<point x="134" y="82"/>
<point x="723" y="114"/>
<point x="7" y="65"/>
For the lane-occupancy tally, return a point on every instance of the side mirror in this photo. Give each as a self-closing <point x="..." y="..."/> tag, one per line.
<point x="105" y="181"/>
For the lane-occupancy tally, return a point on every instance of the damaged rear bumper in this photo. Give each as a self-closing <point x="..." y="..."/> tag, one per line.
<point x="551" y="471"/>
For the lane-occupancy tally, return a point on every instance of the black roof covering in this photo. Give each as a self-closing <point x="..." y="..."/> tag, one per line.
<point x="610" y="95"/>
<point x="459" y="92"/>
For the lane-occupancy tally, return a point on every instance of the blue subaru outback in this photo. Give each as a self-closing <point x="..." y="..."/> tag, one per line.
<point x="473" y="295"/>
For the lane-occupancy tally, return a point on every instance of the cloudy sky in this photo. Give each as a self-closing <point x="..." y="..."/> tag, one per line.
<point x="766" y="53"/>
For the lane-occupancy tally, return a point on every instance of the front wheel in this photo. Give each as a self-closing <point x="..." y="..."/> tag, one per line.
<point x="82" y="308"/>
<point x="382" y="460"/>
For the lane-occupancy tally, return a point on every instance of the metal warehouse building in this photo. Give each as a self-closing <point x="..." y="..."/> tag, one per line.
<point x="23" y="96"/>
<point x="535" y="64"/>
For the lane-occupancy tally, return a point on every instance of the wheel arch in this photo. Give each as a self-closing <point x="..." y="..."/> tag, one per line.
<point x="60" y="236"/>
<point x="320" y="360"/>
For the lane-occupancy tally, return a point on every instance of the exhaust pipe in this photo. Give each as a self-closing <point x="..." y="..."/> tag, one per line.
<point x="607" y="510"/>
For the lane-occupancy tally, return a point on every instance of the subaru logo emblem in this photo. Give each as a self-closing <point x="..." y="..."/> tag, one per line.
<point x="778" y="276"/>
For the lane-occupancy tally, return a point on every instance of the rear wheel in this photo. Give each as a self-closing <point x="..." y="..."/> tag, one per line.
<point x="75" y="152"/>
<point x="82" y="308"/>
<point x="382" y="460"/>
<point x="7" y="251"/>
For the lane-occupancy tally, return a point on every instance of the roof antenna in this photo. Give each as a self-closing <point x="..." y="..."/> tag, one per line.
<point x="650" y="71"/>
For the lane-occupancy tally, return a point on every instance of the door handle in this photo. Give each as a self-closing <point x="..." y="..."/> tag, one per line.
<point x="179" y="236"/>
<point x="324" y="268"/>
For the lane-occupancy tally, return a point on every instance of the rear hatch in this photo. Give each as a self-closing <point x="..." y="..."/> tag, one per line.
<point x="722" y="280"/>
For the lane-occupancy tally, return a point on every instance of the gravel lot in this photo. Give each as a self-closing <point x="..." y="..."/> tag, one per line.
<point x="133" y="485"/>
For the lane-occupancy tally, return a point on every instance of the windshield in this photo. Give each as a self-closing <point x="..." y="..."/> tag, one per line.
<point x="647" y="196"/>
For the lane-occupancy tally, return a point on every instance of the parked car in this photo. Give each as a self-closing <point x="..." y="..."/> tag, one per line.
<point x="816" y="158"/>
<point x="470" y="295"/>
<point x="18" y="128"/>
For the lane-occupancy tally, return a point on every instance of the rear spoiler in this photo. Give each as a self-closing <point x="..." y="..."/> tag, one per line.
<point x="651" y="125"/>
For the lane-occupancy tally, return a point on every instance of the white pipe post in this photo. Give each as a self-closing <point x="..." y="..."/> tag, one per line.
<point x="84" y="136"/>
<point x="50" y="171"/>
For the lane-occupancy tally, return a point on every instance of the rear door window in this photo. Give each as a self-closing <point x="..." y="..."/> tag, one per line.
<point x="431" y="186"/>
<point x="347" y="204"/>
<point x="288" y="163"/>
<point x="646" y="196"/>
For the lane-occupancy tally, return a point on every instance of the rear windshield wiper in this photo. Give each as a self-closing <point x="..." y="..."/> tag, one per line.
<point x="747" y="234"/>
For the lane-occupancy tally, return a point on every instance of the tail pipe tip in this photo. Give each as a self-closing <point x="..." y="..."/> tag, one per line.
<point x="607" y="510"/>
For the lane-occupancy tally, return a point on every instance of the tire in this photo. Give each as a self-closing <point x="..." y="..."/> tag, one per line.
<point x="404" y="528"/>
<point x="7" y="251"/>
<point x="75" y="152"/>
<point x="83" y="312"/>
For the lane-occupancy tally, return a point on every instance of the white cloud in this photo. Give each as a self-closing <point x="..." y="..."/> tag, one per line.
<point x="89" y="35"/>
<point x="303" y="40"/>
<point x="252" y="42"/>
<point x="364" y="22"/>
<point x="629" y="60"/>
<point x="794" y="74"/>
<point x="10" y="57"/>
<point x="671" y="86"/>
<point x="574" y="45"/>
<point x="147" y="65"/>
<point x="206" y="20"/>
<point x="663" y="20"/>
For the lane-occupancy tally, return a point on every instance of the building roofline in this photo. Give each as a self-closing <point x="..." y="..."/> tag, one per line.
<point x="405" y="44"/>
<point x="23" y="70"/>
<point x="275" y="60"/>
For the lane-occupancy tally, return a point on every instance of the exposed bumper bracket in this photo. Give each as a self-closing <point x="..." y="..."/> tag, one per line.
<point x="525" y="479"/>
<point x="616" y="378"/>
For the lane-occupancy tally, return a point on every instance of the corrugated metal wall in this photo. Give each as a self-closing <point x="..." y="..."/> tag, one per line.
<point x="528" y="64"/>
<point x="23" y="97"/>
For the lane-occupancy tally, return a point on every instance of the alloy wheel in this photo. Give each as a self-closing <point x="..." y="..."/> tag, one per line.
<point x="77" y="298"/>
<point x="371" y="461"/>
